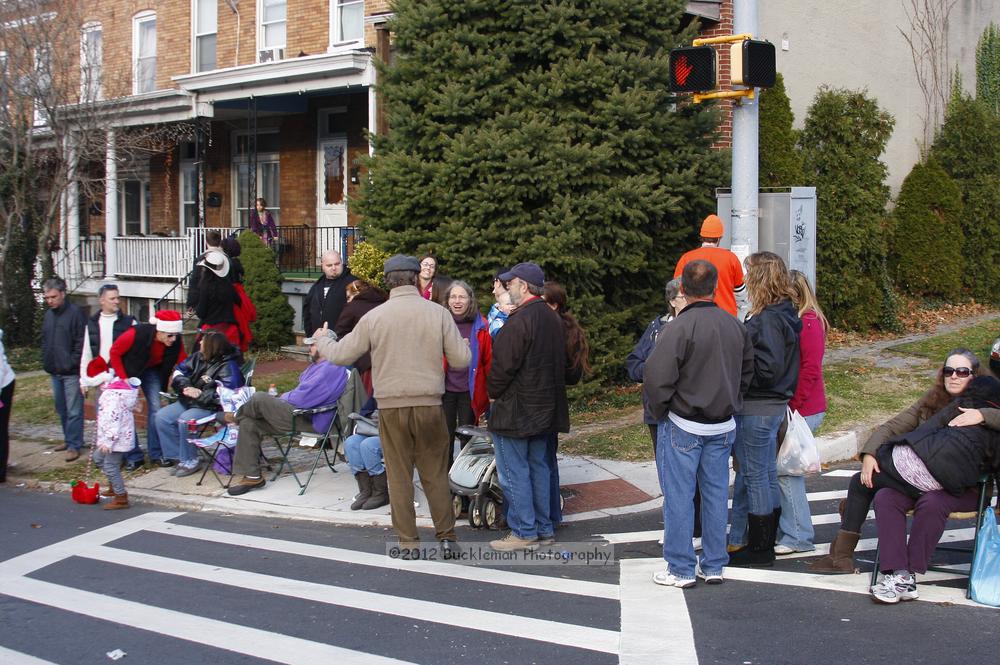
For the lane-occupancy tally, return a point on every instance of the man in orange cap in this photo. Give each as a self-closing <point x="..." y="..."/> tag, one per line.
<point x="730" y="287"/>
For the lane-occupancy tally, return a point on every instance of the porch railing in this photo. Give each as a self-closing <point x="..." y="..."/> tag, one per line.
<point x="300" y="248"/>
<point x="153" y="257"/>
<point x="83" y="262"/>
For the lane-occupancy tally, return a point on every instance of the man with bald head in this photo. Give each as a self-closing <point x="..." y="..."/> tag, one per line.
<point x="327" y="297"/>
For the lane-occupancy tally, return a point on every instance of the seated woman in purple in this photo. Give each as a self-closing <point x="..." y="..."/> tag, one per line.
<point x="262" y="222"/>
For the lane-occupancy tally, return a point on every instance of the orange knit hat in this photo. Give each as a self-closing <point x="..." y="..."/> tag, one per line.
<point x="712" y="227"/>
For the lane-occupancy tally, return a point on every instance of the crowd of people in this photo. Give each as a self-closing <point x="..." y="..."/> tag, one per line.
<point x="739" y="347"/>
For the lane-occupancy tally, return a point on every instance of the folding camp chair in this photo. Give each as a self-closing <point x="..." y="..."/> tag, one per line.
<point x="324" y="441"/>
<point x="985" y="487"/>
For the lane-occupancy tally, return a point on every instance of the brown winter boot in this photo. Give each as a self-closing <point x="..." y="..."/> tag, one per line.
<point x="380" y="492"/>
<point x="364" y="490"/>
<point x="840" y="560"/>
<point x="118" y="502"/>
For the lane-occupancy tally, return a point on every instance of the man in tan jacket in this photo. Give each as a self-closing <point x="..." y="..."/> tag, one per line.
<point x="407" y="337"/>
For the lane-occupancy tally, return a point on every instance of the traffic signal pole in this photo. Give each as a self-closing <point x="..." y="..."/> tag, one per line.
<point x="746" y="120"/>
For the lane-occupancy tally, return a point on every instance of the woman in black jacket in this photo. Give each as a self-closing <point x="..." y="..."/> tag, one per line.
<point x="933" y="460"/>
<point x="196" y="381"/>
<point x="774" y="326"/>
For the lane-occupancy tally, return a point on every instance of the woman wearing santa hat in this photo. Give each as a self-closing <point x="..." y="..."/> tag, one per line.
<point x="149" y="352"/>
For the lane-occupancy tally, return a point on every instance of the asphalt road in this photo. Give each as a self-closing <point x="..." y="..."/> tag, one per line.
<point x="77" y="582"/>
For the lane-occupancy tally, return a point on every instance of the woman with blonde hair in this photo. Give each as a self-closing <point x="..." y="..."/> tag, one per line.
<point x="795" y="530"/>
<point x="774" y="326"/>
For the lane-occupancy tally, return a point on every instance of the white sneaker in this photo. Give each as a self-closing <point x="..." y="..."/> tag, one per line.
<point x="783" y="549"/>
<point x="666" y="578"/>
<point x="710" y="578"/>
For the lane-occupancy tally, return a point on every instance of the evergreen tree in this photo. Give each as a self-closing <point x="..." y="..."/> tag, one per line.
<point x="262" y="282"/>
<point x="926" y="223"/>
<point x="20" y="312"/>
<point x="844" y="135"/>
<point x="988" y="68"/>
<point x="780" y="159"/>
<point x="968" y="148"/>
<point x="545" y="132"/>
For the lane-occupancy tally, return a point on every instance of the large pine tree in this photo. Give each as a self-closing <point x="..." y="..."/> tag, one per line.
<point x="524" y="131"/>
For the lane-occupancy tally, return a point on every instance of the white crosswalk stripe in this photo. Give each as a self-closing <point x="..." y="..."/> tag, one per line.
<point x="19" y="579"/>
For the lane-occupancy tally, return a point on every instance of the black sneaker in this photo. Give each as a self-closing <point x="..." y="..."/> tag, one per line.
<point x="134" y="466"/>
<point x="165" y="463"/>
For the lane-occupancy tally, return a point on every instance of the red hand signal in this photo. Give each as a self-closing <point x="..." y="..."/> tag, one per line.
<point x="682" y="69"/>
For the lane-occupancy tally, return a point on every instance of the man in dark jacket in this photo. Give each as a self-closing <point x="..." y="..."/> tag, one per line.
<point x="327" y="297"/>
<point x="62" y="344"/>
<point x="528" y="385"/>
<point x="693" y="383"/>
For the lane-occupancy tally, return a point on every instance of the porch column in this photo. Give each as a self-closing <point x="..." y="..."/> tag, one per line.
<point x="71" y="204"/>
<point x="110" y="205"/>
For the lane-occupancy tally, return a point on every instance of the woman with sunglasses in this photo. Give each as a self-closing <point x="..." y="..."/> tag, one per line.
<point x="960" y="367"/>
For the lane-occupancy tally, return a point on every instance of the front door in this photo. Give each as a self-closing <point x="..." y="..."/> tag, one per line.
<point x="331" y="183"/>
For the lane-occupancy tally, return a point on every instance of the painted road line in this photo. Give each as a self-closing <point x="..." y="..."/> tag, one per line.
<point x="869" y="544"/>
<point x="553" y="632"/>
<point x="656" y="625"/>
<point x="189" y="627"/>
<point x="441" y="569"/>
<point x="11" y="657"/>
<point x="50" y="554"/>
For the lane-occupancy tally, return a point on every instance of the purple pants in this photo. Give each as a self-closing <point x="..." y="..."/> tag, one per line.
<point x="930" y="513"/>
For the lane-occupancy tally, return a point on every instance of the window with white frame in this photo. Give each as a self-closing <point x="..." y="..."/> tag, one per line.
<point x="189" y="186"/>
<point x="272" y="24"/>
<point x="347" y="21"/>
<point x="91" y="62"/>
<point x="144" y="52"/>
<point x="267" y="174"/>
<point x="133" y="206"/>
<point x="205" y="14"/>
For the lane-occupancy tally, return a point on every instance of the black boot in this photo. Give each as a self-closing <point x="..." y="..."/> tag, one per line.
<point x="380" y="493"/>
<point x="364" y="489"/>
<point x="759" y="553"/>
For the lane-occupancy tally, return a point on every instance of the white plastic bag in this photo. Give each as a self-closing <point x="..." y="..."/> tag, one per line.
<point x="798" y="455"/>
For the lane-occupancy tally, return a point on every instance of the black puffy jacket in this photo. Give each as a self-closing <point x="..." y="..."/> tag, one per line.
<point x="196" y="372"/>
<point x="775" y="337"/>
<point x="955" y="456"/>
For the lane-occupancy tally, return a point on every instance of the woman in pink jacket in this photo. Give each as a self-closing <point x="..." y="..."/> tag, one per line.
<point x="795" y="530"/>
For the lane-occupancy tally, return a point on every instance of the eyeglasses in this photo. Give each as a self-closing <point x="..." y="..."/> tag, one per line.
<point x="960" y="372"/>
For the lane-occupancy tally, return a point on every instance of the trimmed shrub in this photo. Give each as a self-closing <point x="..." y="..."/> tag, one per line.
<point x="845" y="133"/>
<point x="925" y="255"/>
<point x="780" y="158"/>
<point x="366" y="263"/>
<point x="262" y="281"/>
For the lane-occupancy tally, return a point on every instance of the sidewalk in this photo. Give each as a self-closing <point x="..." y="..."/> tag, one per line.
<point x="592" y="488"/>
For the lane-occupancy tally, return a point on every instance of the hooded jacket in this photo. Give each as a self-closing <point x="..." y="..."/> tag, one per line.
<point x="774" y="333"/>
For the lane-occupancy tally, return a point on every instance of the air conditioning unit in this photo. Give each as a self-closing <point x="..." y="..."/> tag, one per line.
<point x="270" y="54"/>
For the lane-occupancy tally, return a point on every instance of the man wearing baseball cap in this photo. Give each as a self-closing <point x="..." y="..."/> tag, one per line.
<point x="527" y="382"/>
<point x="149" y="352"/>
<point x="730" y="288"/>
<point x="407" y="337"/>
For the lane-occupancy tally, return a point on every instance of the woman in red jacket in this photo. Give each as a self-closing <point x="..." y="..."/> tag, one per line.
<point x="795" y="529"/>
<point x="465" y="399"/>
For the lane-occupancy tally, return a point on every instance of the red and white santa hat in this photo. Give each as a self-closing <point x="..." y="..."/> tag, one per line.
<point x="97" y="366"/>
<point x="168" y="321"/>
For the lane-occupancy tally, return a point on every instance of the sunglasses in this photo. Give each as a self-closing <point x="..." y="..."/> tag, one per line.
<point x="960" y="372"/>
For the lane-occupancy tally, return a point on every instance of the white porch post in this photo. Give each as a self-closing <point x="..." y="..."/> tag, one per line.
<point x="110" y="205"/>
<point x="71" y="203"/>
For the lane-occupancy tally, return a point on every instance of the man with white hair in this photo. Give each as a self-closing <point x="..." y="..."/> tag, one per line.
<point x="327" y="296"/>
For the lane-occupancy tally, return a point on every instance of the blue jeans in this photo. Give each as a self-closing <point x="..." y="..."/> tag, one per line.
<point x="525" y="478"/>
<point x="69" y="406"/>
<point x="795" y="528"/>
<point x="681" y="459"/>
<point x="171" y="424"/>
<point x="364" y="453"/>
<point x="755" y="489"/>
<point x="151" y="390"/>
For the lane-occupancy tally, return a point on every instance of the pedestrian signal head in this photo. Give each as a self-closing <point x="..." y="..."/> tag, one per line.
<point x="692" y="69"/>
<point x="752" y="63"/>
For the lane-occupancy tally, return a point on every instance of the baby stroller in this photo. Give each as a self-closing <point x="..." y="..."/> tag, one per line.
<point x="474" y="475"/>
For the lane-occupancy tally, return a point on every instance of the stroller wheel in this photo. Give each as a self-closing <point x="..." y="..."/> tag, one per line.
<point x="490" y="513"/>
<point x="456" y="505"/>
<point x="476" y="514"/>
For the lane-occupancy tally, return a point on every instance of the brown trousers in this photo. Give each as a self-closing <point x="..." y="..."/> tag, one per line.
<point x="417" y="436"/>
